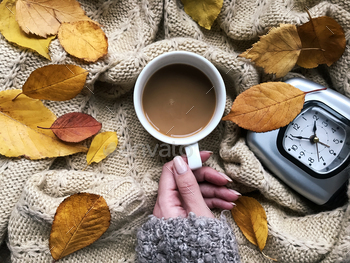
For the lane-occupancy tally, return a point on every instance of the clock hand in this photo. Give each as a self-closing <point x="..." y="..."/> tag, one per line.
<point x="318" y="155"/>
<point x="299" y="137"/>
<point x="324" y="144"/>
<point x="314" y="130"/>
<point x="316" y="140"/>
<point x="312" y="139"/>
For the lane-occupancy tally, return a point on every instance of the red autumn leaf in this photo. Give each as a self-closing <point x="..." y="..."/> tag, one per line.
<point x="75" y="127"/>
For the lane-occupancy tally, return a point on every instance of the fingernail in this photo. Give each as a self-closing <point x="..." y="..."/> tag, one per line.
<point x="233" y="204"/>
<point x="180" y="165"/>
<point x="210" y="152"/>
<point x="226" y="177"/>
<point x="235" y="192"/>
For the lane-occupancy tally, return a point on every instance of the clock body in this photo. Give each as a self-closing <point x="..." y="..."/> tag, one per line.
<point x="312" y="153"/>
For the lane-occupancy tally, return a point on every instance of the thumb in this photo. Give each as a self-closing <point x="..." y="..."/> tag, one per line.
<point x="189" y="190"/>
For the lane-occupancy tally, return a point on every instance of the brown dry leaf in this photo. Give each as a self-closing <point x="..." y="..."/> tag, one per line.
<point x="13" y="33"/>
<point x="79" y="221"/>
<point x="55" y="82"/>
<point x="204" y="12"/>
<point x="101" y="146"/>
<point x="43" y="17"/>
<point x="250" y="217"/>
<point x="84" y="40"/>
<point x="323" y="41"/>
<point x="266" y="106"/>
<point x="19" y="134"/>
<point x="75" y="127"/>
<point x="277" y="52"/>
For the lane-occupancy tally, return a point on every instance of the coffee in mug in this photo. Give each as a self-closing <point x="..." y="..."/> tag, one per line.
<point x="201" y="87"/>
<point x="179" y="100"/>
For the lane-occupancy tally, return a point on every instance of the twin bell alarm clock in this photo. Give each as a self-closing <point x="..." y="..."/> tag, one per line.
<point x="312" y="153"/>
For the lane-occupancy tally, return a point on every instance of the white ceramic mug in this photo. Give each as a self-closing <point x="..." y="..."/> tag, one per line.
<point x="189" y="58"/>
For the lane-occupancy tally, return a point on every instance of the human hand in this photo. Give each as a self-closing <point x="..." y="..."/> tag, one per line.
<point x="179" y="192"/>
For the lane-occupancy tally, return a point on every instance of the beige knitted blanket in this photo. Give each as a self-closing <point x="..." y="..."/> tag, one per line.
<point x="138" y="31"/>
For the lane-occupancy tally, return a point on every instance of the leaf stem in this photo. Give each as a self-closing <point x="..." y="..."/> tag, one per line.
<point x="266" y="256"/>
<point x="312" y="48"/>
<point x="306" y="92"/>
<point x="307" y="11"/>
<point x="17" y="96"/>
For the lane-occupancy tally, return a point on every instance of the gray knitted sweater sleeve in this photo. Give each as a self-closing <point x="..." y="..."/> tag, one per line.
<point x="191" y="239"/>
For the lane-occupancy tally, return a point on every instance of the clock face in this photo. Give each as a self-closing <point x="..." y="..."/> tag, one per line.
<point x="317" y="140"/>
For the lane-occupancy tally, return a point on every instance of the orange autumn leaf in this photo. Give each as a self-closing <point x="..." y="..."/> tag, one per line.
<point x="277" y="52"/>
<point x="55" y="82"/>
<point x="43" y="17"/>
<point x="79" y="221"/>
<point x="323" y="41"/>
<point x="266" y="106"/>
<point x="251" y="218"/>
<point x="84" y="40"/>
<point x="75" y="127"/>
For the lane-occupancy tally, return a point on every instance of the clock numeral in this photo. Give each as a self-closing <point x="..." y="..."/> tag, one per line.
<point x="336" y="141"/>
<point x="334" y="130"/>
<point x="325" y="124"/>
<point x="332" y="152"/>
<point x="296" y="126"/>
<point x="311" y="160"/>
<point x="321" y="158"/>
<point x="294" y="147"/>
<point x="316" y="117"/>
<point x="302" y="153"/>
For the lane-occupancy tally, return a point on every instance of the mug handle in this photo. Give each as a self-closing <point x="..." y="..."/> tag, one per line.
<point x="193" y="156"/>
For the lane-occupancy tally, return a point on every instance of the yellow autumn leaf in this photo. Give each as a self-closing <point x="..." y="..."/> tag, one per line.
<point x="267" y="106"/>
<point x="101" y="146"/>
<point x="204" y="12"/>
<point x="55" y="82"/>
<point x="250" y="217"/>
<point x="19" y="134"/>
<point x="278" y="51"/>
<point x="79" y="221"/>
<point x="84" y="40"/>
<point x="10" y="29"/>
<point x="43" y="17"/>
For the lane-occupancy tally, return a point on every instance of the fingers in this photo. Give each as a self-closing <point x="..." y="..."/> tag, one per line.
<point x="220" y="192"/>
<point x="211" y="175"/>
<point x="189" y="189"/>
<point x="219" y="196"/>
<point x="166" y="182"/>
<point x="205" y="155"/>
<point x="169" y="200"/>
<point x="219" y="203"/>
<point x="168" y="196"/>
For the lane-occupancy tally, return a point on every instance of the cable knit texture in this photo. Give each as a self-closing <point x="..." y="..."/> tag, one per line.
<point x="192" y="239"/>
<point x="139" y="31"/>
